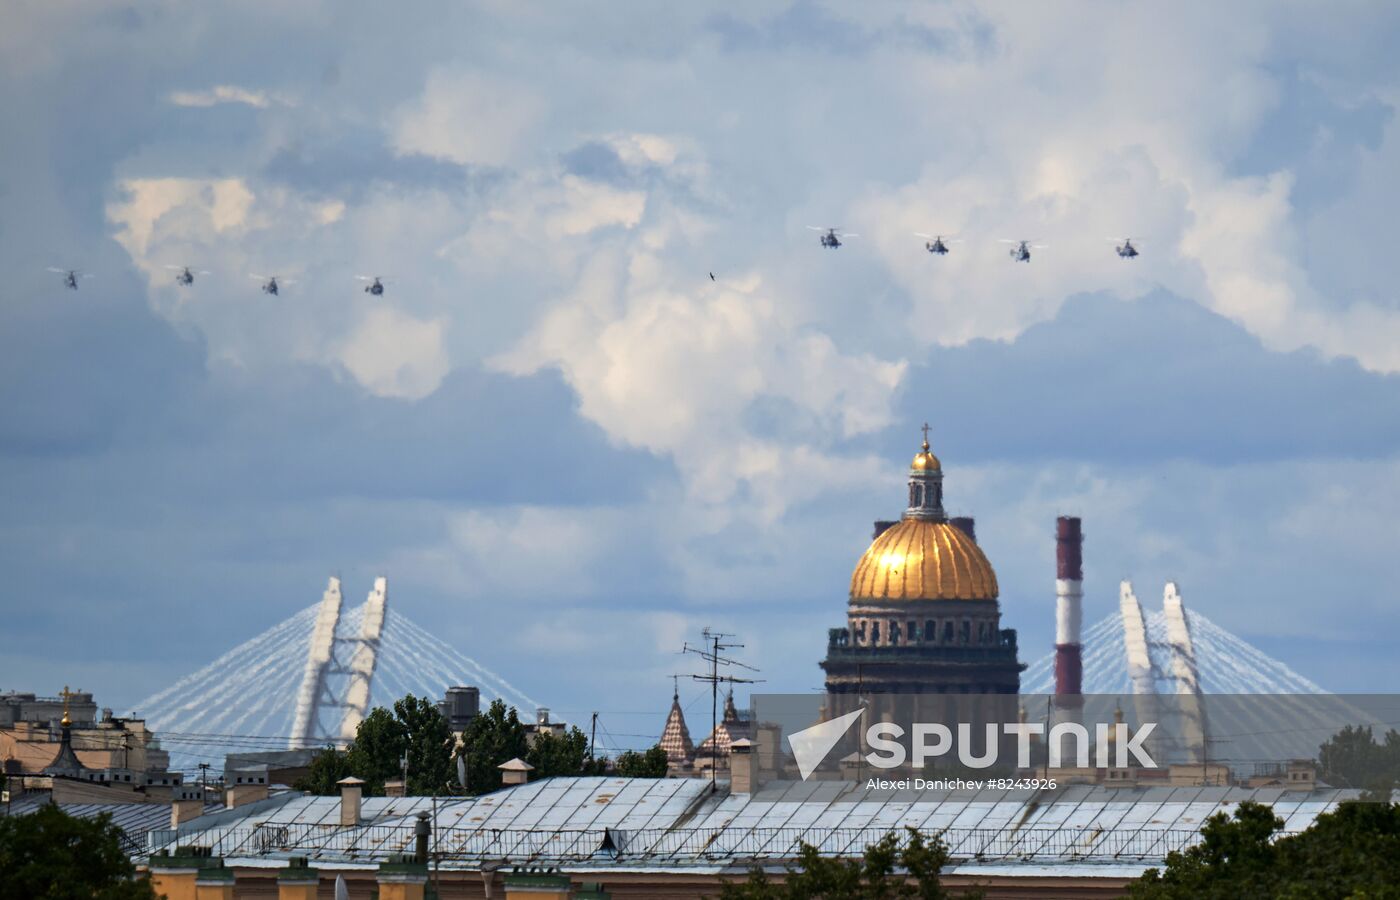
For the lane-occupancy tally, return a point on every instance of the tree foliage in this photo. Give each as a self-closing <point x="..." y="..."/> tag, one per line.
<point x="328" y="766"/>
<point x="891" y="868"/>
<point x="651" y="764"/>
<point x="1353" y="852"/>
<point x="491" y="738"/>
<point x="562" y="754"/>
<point x="1353" y="758"/>
<point x="428" y="743"/>
<point x="53" y="855"/>
<point x="414" y="729"/>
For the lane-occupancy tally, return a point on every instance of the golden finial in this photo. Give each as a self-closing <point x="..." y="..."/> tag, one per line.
<point x="924" y="460"/>
<point x="67" y="694"/>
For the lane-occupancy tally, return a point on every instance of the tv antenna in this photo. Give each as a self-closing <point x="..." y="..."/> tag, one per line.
<point x="712" y="651"/>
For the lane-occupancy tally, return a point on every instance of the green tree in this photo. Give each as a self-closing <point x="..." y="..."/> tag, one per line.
<point x="491" y="738"/>
<point x="413" y="729"/>
<point x="563" y="754"/>
<point x="328" y="766"/>
<point x="53" y="855"/>
<point x="429" y="744"/>
<point x="1353" y="758"/>
<point x="379" y="744"/>
<point x="651" y="764"/>
<point x="1348" y="854"/>
<point x="890" y="868"/>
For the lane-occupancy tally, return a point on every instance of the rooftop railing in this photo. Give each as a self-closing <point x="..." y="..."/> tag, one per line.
<point x="683" y="846"/>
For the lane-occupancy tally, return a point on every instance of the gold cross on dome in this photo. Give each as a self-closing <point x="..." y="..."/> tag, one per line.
<point x="67" y="695"/>
<point x="925" y="431"/>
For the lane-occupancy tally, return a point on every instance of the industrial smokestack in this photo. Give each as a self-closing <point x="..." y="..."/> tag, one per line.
<point x="1069" y="596"/>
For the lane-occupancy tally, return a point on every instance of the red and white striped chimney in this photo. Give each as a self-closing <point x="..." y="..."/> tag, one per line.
<point x="1069" y="596"/>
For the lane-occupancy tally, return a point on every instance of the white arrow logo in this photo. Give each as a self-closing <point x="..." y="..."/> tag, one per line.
<point x="811" y="745"/>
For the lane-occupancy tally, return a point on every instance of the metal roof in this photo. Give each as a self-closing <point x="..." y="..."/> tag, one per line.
<point x="602" y="822"/>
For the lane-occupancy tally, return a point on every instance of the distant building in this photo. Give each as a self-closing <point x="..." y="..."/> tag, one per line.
<point x="268" y="766"/>
<point x="543" y="725"/>
<point x="48" y="739"/>
<point x="714" y="751"/>
<point x="460" y="706"/>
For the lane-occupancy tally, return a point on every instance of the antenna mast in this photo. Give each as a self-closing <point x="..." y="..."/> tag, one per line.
<point x="712" y="652"/>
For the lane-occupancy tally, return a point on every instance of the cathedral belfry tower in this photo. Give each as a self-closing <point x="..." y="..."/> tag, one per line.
<point x="923" y="615"/>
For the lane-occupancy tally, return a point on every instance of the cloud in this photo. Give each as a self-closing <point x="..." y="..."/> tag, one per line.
<point x="223" y="93"/>
<point x="467" y="118"/>
<point x="396" y="355"/>
<point x="213" y="208"/>
<point x="674" y="370"/>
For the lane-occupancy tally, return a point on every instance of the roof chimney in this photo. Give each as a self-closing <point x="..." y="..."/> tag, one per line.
<point x="184" y="806"/>
<point x="741" y="766"/>
<point x="515" y="771"/>
<point x="351" y="790"/>
<point x="241" y="794"/>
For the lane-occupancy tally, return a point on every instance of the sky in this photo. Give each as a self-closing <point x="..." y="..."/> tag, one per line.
<point x="570" y="449"/>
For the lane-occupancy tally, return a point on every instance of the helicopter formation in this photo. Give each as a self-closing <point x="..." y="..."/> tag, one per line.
<point x="185" y="277"/>
<point x="830" y="237"/>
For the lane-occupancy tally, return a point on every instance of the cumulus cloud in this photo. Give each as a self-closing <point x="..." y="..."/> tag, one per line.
<point x="467" y="117"/>
<point x="395" y="355"/>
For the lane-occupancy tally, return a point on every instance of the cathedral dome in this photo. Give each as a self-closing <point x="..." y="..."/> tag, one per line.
<point x="922" y="559"/>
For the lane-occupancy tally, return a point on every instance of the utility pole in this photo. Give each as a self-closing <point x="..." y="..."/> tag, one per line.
<point x="592" y="735"/>
<point x="712" y="652"/>
<point x="204" y="781"/>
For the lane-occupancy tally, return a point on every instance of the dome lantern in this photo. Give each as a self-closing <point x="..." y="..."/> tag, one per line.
<point x="925" y="485"/>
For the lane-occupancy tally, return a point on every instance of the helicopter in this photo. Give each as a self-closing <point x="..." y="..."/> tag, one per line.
<point x="1022" y="251"/>
<point x="831" y="237"/>
<point x="935" y="243"/>
<point x="70" y="277"/>
<point x="270" y="283"/>
<point x="1126" y="249"/>
<point x="185" y="276"/>
<point x="375" y="286"/>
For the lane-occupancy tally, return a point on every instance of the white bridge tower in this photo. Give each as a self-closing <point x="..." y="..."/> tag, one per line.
<point x="324" y="671"/>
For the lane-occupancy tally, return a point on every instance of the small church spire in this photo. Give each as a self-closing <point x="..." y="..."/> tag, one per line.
<point x="675" y="737"/>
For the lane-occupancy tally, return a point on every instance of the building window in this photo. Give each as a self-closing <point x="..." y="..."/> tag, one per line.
<point x="948" y="631"/>
<point x="913" y="631"/>
<point x="930" y="629"/>
<point x="965" y="632"/>
<point x="874" y="632"/>
<point x="894" y="632"/>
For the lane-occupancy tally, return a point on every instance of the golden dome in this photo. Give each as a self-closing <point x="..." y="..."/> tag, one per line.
<point x="925" y="461"/>
<point x="922" y="559"/>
